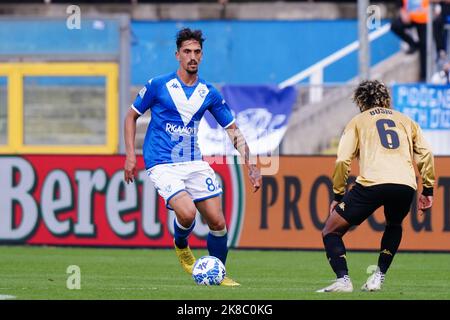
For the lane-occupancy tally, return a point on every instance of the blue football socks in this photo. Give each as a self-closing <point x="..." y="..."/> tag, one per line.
<point x="182" y="233"/>
<point x="217" y="244"/>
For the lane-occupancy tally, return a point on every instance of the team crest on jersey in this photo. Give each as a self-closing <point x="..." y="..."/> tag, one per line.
<point x="202" y="93"/>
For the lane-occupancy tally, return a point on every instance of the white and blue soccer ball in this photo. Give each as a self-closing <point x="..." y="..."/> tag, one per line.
<point x="208" y="271"/>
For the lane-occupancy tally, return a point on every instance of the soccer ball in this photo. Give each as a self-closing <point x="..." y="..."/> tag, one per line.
<point x="208" y="271"/>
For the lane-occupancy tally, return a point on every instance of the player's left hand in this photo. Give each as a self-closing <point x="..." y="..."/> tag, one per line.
<point x="255" y="177"/>
<point x="425" y="203"/>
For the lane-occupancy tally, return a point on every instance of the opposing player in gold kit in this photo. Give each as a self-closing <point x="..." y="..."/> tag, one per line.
<point x="387" y="143"/>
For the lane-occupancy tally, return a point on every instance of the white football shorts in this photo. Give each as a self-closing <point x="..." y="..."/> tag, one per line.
<point x="195" y="177"/>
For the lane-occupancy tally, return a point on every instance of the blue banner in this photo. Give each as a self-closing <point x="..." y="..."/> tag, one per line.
<point x="262" y="114"/>
<point x="428" y="105"/>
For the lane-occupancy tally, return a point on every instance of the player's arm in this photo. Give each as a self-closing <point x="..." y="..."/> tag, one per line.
<point x="425" y="163"/>
<point x="129" y="137"/>
<point x="222" y="113"/>
<point x="142" y="103"/>
<point x="347" y="150"/>
<point x="239" y="143"/>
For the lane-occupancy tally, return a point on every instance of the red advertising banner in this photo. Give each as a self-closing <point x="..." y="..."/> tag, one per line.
<point x="83" y="200"/>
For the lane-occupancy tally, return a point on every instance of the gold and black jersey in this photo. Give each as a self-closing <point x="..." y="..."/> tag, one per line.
<point x="387" y="143"/>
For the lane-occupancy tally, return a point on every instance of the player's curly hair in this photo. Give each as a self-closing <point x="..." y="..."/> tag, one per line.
<point x="372" y="94"/>
<point x="188" y="34"/>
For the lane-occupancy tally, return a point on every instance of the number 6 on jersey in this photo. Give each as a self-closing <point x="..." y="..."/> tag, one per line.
<point x="389" y="138"/>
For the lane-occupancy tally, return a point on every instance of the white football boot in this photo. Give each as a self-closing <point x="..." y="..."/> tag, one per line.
<point x="374" y="282"/>
<point x="343" y="284"/>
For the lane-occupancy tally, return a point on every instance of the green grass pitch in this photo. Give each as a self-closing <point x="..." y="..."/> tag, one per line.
<point x="40" y="273"/>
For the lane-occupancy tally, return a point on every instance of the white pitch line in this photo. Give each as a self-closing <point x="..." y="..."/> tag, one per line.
<point x="6" y="297"/>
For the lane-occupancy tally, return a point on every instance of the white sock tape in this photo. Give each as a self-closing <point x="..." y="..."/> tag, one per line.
<point x="219" y="233"/>
<point x="181" y="227"/>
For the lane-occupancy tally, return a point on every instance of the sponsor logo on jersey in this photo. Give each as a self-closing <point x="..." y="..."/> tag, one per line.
<point x="182" y="130"/>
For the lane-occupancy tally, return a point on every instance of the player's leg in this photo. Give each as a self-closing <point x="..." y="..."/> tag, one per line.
<point x="356" y="206"/>
<point x="396" y="207"/>
<point x="217" y="240"/>
<point x="217" y="237"/>
<point x="332" y="234"/>
<point x="168" y="180"/>
<point x="205" y="190"/>
<point x="335" y="228"/>
<point x="184" y="223"/>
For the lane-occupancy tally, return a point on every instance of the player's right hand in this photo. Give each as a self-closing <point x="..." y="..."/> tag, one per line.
<point x="425" y="203"/>
<point x="130" y="169"/>
<point x="333" y="205"/>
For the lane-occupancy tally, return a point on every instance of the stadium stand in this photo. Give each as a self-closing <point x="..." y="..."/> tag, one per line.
<point x="144" y="13"/>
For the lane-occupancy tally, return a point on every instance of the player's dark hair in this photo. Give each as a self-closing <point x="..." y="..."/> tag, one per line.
<point x="372" y="94"/>
<point x="188" y="34"/>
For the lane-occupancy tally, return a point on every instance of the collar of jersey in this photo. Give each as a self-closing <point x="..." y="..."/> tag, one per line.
<point x="184" y="84"/>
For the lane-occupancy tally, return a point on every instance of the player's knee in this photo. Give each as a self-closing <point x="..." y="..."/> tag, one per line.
<point x="328" y="228"/>
<point x="186" y="216"/>
<point x="332" y="229"/>
<point x="326" y="232"/>
<point x="218" y="225"/>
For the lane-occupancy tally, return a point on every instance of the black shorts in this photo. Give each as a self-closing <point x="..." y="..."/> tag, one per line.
<point x="360" y="202"/>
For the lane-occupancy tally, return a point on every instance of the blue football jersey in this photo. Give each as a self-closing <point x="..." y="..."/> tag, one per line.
<point x="176" y="110"/>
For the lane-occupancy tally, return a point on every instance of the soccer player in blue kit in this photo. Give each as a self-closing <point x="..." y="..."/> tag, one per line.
<point x="177" y="102"/>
